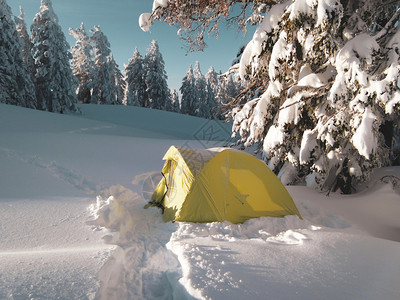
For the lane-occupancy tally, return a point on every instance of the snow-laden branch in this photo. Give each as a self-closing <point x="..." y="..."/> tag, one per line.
<point x="328" y="106"/>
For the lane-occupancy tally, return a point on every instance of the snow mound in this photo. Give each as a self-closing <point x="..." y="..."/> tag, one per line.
<point x="142" y="257"/>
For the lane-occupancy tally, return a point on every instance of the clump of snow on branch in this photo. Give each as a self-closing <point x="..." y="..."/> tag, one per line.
<point x="145" y="21"/>
<point x="159" y="3"/>
<point x="254" y="47"/>
<point x="363" y="139"/>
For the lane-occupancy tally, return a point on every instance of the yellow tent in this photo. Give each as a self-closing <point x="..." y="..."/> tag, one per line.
<point x="213" y="185"/>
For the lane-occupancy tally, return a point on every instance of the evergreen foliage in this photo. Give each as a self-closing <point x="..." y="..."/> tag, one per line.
<point x="16" y="86"/>
<point x="157" y="90"/>
<point x="82" y="63"/>
<point x="330" y="84"/>
<point x="135" y="91"/>
<point x="119" y="81"/>
<point x="104" y="91"/>
<point x="168" y="103"/>
<point x="201" y="94"/>
<point x="26" y="45"/>
<point x="212" y="90"/>
<point x="189" y="93"/>
<point x="55" y="83"/>
<point x="175" y="101"/>
<point x="203" y="110"/>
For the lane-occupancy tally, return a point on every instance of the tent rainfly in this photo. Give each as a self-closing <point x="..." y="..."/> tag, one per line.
<point x="213" y="185"/>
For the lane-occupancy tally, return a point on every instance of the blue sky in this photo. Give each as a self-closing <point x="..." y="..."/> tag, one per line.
<point x="118" y="19"/>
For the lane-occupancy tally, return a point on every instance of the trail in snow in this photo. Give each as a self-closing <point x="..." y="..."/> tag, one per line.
<point x="61" y="172"/>
<point x="92" y="129"/>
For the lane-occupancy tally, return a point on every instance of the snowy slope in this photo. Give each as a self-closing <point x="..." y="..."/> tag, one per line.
<point x="73" y="225"/>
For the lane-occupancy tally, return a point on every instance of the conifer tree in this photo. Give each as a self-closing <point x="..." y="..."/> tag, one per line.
<point x="55" y="83"/>
<point x="16" y="86"/>
<point x="119" y="81"/>
<point x="212" y="84"/>
<point x="211" y="78"/>
<point x="82" y="63"/>
<point x="135" y="100"/>
<point x="203" y="110"/>
<point x="168" y="103"/>
<point x="175" y="101"/>
<point x="228" y="89"/>
<point x="189" y="93"/>
<point x="157" y="89"/>
<point x="135" y="89"/>
<point x="26" y="44"/>
<point x="104" y="86"/>
<point x="330" y="87"/>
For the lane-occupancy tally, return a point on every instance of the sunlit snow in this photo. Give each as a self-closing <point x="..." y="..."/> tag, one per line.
<point x="73" y="224"/>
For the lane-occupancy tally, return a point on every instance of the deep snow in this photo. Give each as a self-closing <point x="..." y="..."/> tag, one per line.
<point x="73" y="225"/>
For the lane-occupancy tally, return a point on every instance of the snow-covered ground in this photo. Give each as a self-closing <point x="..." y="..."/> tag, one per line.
<point x="73" y="226"/>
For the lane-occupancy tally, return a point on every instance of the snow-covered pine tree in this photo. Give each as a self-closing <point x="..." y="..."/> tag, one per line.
<point x="169" y="106"/>
<point x="135" y="89"/>
<point x="330" y="84"/>
<point x="55" y="83"/>
<point x="226" y="92"/>
<point x="104" y="91"/>
<point x="157" y="89"/>
<point x="135" y="100"/>
<point x="26" y="44"/>
<point x="203" y="110"/>
<point x="326" y="72"/>
<point x="212" y="83"/>
<point x="119" y="81"/>
<point x="228" y="89"/>
<point x="16" y="86"/>
<point x="175" y="101"/>
<point x="189" y="94"/>
<point x="211" y="78"/>
<point x="82" y="63"/>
